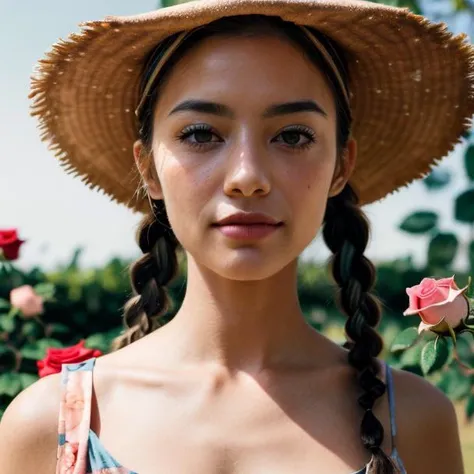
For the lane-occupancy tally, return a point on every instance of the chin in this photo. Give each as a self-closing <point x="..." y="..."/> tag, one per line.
<point x="247" y="264"/>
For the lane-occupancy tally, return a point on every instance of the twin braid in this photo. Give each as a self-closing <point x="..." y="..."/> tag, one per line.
<point x="346" y="233"/>
<point x="149" y="276"/>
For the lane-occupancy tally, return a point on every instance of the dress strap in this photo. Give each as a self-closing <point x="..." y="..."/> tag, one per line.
<point x="393" y="423"/>
<point x="74" y="417"/>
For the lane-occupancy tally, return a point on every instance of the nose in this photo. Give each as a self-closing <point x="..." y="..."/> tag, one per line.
<point x="247" y="171"/>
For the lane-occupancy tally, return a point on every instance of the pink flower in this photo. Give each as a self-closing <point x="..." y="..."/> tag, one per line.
<point x="439" y="303"/>
<point x="27" y="301"/>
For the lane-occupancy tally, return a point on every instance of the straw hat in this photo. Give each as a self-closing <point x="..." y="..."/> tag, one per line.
<point x="411" y="88"/>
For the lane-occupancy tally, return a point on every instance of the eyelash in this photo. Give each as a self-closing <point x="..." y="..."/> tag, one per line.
<point x="191" y="130"/>
<point x="302" y="130"/>
<point x="187" y="132"/>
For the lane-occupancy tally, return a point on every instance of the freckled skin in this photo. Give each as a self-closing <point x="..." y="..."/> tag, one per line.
<point x="246" y="170"/>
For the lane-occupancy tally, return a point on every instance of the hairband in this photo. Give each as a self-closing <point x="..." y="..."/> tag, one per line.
<point x="182" y="36"/>
<point x="330" y="62"/>
<point x="159" y="66"/>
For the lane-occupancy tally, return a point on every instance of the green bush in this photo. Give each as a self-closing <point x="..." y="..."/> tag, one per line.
<point x="87" y="304"/>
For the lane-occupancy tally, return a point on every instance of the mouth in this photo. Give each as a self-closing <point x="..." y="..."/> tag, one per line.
<point x="248" y="219"/>
<point x="246" y="232"/>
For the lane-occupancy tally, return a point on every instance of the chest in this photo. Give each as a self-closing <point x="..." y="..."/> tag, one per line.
<point x="236" y="430"/>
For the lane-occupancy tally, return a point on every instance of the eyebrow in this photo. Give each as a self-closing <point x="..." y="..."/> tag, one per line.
<point x="203" y="107"/>
<point x="293" y="108"/>
<point x="222" y="110"/>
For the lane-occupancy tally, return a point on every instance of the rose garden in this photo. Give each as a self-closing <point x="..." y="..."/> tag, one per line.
<point x="72" y="314"/>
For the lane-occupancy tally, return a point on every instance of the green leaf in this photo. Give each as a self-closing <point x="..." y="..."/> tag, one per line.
<point x="32" y="330"/>
<point x="464" y="207"/>
<point x="469" y="162"/>
<point x="10" y="384"/>
<point x="451" y="352"/>
<point x="404" y="340"/>
<point x="37" y="350"/>
<point x="454" y="383"/>
<point x="7" y="358"/>
<point x="4" y="304"/>
<point x="102" y="341"/>
<point x="74" y="263"/>
<point x="169" y="3"/>
<point x="27" y="380"/>
<point x="58" y="329"/>
<point x="464" y="347"/>
<point x="437" y="179"/>
<point x="32" y="351"/>
<point x="45" y="290"/>
<point x="413" y="5"/>
<point x="442" y="249"/>
<point x="420" y="222"/>
<point x="5" y="267"/>
<point x="434" y="355"/>
<point x="470" y="407"/>
<point x="471" y="255"/>
<point x="13" y="312"/>
<point x="98" y="341"/>
<point x="410" y="359"/>
<point x="7" y="323"/>
<point x="460" y="5"/>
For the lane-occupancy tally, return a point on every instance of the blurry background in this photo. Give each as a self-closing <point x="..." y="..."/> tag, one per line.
<point x="79" y="245"/>
<point x="56" y="213"/>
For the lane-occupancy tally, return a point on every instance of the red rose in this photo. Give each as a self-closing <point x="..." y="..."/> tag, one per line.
<point x="10" y="243"/>
<point x="55" y="357"/>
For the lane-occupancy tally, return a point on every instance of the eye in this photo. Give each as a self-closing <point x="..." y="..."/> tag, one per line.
<point x="199" y="135"/>
<point x="296" y="137"/>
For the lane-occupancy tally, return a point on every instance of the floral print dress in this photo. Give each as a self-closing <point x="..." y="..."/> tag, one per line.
<point x="81" y="452"/>
<point x="79" y="449"/>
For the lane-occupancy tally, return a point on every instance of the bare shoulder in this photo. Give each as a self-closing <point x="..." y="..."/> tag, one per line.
<point x="428" y="434"/>
<point x="28" y="429"/>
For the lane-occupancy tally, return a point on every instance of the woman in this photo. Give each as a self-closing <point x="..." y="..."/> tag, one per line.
<point x="256" y="124"/>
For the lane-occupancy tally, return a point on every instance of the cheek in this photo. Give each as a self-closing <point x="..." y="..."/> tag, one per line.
<point x="309" y="197"/>
<point x="180" y="180"/>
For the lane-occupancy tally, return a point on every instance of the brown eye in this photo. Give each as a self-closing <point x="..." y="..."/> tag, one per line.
<point x="297" y="137"/>
<point x="199" y="135"/>
<point x="291" y="138"/>
<point x="202" y="136"/>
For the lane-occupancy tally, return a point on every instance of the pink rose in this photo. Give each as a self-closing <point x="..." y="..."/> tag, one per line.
<point x="27" y="301"/>
<point x="439" y="303"/>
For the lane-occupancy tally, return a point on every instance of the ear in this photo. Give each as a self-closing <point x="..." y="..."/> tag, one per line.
<point x="146" y="167"/>
<point x="344" y="168"/>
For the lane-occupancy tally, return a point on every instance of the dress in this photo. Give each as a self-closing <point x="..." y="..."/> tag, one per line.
<point x="80" y="451"/>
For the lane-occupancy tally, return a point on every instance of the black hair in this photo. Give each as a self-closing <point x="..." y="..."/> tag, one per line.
<point x="346" y="229"/>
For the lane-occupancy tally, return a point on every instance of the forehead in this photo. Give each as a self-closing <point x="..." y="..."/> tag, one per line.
<point x="246" y="72"/>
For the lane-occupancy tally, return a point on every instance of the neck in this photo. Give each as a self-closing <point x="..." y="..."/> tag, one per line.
<point x="242" y="325"/>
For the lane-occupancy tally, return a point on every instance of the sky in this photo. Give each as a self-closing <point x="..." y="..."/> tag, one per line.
<point x="56" y="213"/>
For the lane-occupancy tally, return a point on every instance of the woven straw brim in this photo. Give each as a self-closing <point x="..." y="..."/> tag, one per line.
<point x="411" y="89"/>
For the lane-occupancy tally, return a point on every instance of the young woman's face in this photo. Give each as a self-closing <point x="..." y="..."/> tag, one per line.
<point x="245" y="124"/>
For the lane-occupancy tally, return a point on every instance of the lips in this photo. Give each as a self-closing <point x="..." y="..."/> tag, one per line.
<point x="248" y="218"/>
